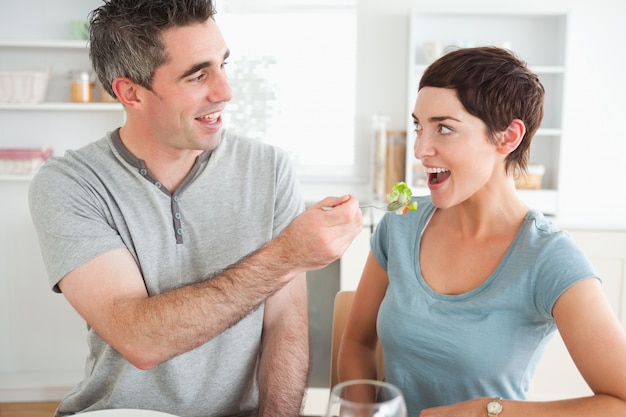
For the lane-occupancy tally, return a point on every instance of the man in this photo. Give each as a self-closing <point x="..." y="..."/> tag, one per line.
<point x="183" y="247"/>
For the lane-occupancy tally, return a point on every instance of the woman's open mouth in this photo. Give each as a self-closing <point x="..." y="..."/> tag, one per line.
<point x="437" y="175"/>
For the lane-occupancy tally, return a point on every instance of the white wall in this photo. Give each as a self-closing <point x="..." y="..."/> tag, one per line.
<point x="39" y="19"/>
<point x="594" y="146"/>
<point x="593" y="175"/>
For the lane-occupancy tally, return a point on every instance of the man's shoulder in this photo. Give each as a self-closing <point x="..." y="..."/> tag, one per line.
<point x="234" y="139"/>
<point x="75" y="164"/>
<point x="243" y="145"/>
<point x="86" y="154"/>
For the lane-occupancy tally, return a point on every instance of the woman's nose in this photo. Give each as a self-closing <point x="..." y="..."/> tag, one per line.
<point x="422" y="147"/>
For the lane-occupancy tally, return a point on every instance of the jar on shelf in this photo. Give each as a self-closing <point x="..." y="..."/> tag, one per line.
<point x="81" y="86"/>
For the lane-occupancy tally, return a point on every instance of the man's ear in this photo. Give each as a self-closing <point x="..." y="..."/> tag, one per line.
<point x="511" y="137"/>
<point x="126" y="92"/>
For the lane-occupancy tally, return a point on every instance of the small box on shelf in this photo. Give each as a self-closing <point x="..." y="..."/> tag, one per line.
<point x="18" y="161"/>
<point x="23" y="86"/>
<point x="530" y="180"/>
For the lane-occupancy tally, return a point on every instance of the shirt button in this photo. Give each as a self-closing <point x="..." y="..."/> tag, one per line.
<point x="180" y="232"/>
<point x="177" y="215"/>
<point x="157" y="184"/>
<point x="143" y="171"/>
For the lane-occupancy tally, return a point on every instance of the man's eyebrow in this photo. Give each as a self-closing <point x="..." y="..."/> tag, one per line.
<point x="201" y="65"/>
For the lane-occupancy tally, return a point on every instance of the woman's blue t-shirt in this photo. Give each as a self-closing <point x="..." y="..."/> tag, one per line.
<point x="441" y="349"/>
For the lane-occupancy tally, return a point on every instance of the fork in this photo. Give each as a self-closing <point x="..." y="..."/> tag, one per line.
<point x="393" y="206"/>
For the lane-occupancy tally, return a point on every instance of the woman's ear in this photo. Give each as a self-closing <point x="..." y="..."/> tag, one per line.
<point x="511" y="137"/>
<point x="126" y="92"/>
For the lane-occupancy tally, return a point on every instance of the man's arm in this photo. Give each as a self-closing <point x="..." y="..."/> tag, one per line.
<point x="109" y="292"/>
<point x="284" y="365"/>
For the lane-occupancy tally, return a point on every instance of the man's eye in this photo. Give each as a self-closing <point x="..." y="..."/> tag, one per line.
<point x="197" y="78"/>
<point x="417" y="127"/>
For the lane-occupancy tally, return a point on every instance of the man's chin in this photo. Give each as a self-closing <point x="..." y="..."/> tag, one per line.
<point x="212" y="141"/>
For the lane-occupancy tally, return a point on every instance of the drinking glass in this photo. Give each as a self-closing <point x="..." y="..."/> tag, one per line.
<point x="366" y="398"/>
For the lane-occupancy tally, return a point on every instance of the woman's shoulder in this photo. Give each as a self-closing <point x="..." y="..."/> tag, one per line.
<point x="550" y="244"/>
<point x="540" y="222"/>
<point x="543" y="233"/>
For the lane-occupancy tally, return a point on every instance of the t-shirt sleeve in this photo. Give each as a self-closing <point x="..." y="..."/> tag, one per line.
<point x="70" y="223"/>
<point x="560" y="265"/>
<point x="379" y="242"/>
<point x="289" y="202"/>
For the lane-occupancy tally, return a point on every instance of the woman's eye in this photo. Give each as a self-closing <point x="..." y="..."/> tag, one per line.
<point x="444" y="130"/>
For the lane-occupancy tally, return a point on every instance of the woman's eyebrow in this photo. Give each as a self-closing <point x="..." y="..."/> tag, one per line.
<point x="437" y="118"/>
<point x="443" y="118"/>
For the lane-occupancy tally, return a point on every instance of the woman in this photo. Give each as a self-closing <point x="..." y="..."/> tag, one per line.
<point x="465" y="293"/>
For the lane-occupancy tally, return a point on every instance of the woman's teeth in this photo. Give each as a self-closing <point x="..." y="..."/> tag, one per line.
<point x="436" y="170"/>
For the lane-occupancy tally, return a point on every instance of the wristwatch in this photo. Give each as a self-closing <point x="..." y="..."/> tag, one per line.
<point x="494" y="407"/>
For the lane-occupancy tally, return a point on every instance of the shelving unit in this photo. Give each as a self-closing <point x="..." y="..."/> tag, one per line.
<point x="60" y="56"/>
<point x="538" y="38"/>
<point x="55" y="122"/>
<point x="42" y="348"/>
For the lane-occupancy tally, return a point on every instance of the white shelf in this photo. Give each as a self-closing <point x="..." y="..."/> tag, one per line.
<point x="545" y="201"/>
<point x="58" y="44"/>
<point x="547" y="69"/>
<point x="61" y="106"/>
<point x="548" y="132"/>
<point x="16" y="177"/>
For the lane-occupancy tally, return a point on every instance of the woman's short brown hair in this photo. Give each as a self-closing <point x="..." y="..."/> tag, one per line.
<point x="497" y="87"/>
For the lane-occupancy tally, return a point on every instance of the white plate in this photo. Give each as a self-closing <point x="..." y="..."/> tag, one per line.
<point x="126" y="412"/>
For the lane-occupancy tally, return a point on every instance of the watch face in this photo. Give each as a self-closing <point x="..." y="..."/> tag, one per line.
<point x="494" y="407"/>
